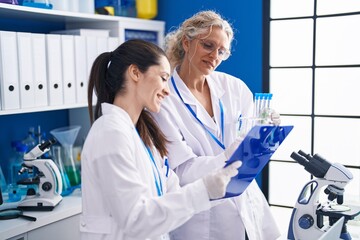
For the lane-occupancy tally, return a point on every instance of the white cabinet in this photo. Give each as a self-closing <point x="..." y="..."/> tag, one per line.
<point x="66" y="228"/>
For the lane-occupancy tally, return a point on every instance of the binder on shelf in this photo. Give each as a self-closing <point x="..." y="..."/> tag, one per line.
<point x="68" y="66"/>
<point x="81" y="77"/>
<point x="26" y="74"/>
<point x="91" y="52"/>
<point x="40" y="71"/>
<point x="9" y="72"/>
<point x="113" y="43"/>
<point x="255" y="151"/>
<point x="102" y="45"/>
<point x="91" y="55"/>
<point x="54" y="67"/>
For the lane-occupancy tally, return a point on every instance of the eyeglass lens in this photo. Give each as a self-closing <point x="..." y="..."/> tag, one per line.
<point x="210" y="47"/>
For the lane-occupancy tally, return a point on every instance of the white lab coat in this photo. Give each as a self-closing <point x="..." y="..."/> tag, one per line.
<point x="192" y="151"/>
<point x="119" y="195"/>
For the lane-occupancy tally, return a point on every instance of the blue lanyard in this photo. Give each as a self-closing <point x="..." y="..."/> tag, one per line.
<point x="220" y="143"/>
<point x="158" y="184"/>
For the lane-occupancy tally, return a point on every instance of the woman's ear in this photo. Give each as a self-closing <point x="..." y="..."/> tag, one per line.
<point x="134" y="72"/>
<point x="185" y="43"/>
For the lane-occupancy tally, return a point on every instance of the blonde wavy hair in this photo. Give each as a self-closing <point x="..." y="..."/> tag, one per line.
<point x="200" y="23"/>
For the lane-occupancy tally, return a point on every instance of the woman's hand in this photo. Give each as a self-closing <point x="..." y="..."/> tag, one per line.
<point x="217" y="181"/>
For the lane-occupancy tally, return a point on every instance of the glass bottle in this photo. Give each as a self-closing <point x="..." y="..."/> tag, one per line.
<point x="30" y="141"/>
<point x="16" y="190"/>
<point x="126" y="8"/>
<point x="2" y="181"/>
<point x="16" y="163"/>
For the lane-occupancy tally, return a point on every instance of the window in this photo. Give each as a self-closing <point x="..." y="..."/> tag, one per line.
<point x="312" y="67"/>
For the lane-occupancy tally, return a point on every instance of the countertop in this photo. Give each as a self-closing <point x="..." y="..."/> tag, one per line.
<point x="69" y="206"/>
<point x="353" y="228"/>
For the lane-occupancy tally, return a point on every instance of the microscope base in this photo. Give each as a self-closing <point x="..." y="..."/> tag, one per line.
<point x="39" y="203"/>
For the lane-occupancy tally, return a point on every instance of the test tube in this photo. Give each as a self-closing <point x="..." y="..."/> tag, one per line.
<point x="262" y="103"/>
<point x="256" y="107"/>
<point x="270" y="97"/>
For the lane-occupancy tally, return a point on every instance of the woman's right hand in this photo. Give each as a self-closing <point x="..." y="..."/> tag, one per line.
<point x="217" y="181"/>
<point x="231" y="149"/>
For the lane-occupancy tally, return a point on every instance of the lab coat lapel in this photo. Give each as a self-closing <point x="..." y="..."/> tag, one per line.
<point x="189" y="99"/>
<point x="216" y="92"/>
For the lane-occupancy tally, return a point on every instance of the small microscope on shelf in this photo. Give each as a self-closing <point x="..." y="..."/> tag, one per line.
<point x="307" y="219"/>
<point x="47" y="178"/>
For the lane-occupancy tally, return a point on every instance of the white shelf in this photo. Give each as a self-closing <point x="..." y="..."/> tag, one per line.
<point x="20" y="12"/>
<point x="73" y="20"/>
<point x="16" y="11"/>
<point x="41" y="109"/>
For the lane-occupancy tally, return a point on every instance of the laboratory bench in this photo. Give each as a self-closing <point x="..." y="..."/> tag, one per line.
<point x="60" y="223"/>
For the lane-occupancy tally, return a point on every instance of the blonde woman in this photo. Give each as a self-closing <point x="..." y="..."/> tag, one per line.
<point x="199" y="120"/>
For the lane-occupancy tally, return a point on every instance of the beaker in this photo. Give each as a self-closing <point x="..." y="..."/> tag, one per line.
<point x="66" y="136"/>
<point x="244" y="125"/>
<point x="57" y="157"/>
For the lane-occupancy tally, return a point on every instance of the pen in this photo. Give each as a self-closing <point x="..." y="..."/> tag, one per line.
<point x="167" y="166"/>
<point x="240" y="121"/>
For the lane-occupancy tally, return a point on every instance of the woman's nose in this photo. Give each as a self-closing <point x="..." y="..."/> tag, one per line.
<point x="215" y="54"/>
<point x="166" y="89"/>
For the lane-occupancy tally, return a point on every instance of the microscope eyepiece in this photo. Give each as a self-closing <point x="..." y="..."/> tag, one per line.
<point x="47" y="144"/>
<point x="315" y="165"/>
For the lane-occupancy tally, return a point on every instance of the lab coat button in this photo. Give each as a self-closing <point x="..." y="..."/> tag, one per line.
<point x="83" y="224"/>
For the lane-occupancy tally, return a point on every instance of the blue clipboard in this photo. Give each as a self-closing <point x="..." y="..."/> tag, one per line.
<point x="255" y="151"/>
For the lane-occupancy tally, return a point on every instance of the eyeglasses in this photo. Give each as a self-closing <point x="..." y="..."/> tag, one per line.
<point x="210" y="47"/>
